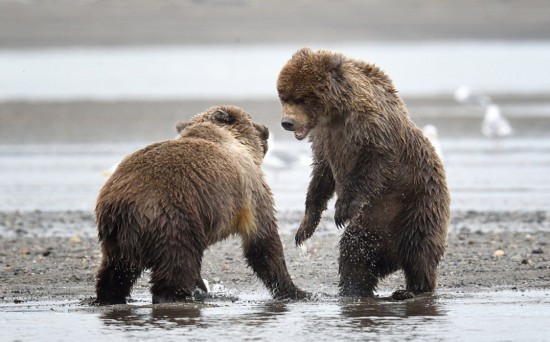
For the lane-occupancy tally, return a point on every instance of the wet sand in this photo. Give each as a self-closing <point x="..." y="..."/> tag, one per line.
<point x="146" y="121"/>
<point x="53" y="256"/>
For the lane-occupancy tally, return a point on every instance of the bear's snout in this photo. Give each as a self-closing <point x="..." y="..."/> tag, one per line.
<point x="288" y="124"/>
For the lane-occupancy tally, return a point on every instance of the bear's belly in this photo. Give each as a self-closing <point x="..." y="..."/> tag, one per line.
<point x="243" y="223"/>
<point x="382" y="212"/>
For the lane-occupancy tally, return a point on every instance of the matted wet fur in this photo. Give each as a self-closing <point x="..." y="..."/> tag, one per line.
<point x="166" y="203"/>
<point x="392" y="195"/>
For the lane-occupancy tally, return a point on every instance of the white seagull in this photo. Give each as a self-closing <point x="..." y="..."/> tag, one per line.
<point x="494" y="126"/>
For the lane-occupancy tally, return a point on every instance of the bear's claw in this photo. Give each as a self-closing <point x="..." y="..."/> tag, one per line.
<point x="303" y="233"/>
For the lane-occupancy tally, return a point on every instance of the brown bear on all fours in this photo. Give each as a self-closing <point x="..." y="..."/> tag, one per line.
<point x="389" y="181"/>
<point x="166" y="203"/>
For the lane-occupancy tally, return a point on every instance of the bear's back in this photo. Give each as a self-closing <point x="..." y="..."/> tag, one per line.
<point x="192" y="175"/>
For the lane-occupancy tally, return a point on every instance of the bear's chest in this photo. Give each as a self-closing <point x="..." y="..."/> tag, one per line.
<point x="341" y="154"/>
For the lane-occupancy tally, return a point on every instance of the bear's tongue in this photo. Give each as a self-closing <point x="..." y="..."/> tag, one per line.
<point x="301" y="133"/>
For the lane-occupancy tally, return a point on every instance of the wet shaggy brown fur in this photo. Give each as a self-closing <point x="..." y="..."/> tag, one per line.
<point x="392" y="195"/>
<point x="166" y="203"/>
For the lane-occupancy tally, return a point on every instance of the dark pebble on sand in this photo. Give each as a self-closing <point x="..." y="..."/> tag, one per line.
<point x="537" y="251"/>
<point x="20" y="232"/>
<point x="542" y="265"/>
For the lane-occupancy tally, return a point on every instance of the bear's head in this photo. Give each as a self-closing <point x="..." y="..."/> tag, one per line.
<point x="325" y="87"/>
<point x="310" y="85"/>
<point x="227" y="122"/>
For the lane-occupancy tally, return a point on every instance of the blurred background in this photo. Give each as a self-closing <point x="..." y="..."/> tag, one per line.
<point x="84" y="82"/>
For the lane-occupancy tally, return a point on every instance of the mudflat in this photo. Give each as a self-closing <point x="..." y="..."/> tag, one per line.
<point x="54" y="256"/>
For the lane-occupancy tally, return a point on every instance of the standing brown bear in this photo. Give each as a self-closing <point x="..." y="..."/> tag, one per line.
<point x="166" y="203"/>
<point x="389" y="181"/>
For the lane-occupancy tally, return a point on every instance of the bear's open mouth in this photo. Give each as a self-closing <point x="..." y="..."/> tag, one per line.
<point x="301" y="133"/>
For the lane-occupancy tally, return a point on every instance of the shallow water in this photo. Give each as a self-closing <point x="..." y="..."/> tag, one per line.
<point x="68" y="177"/>
<point x="483" y="316"/>
<point x="250" y="71"/>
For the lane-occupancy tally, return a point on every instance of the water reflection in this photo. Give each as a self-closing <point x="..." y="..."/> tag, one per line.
<point x="416" y="318"/>
<point x="385" y="307"/>
<point x="261" y="318"/>
<point x="264" y="313"/>
<point x="456" y="316"/>
<point x="169" y="316"/>
<point x="166" y="317"/>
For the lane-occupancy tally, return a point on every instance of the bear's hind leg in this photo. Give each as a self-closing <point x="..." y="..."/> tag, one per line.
<point x="176" y="256"/>
<point x="114" y="281"/>
<point x="420" y="275"/>
<point x="420" y="252"/>
<point x="174" y="280"/>
<point x="363" y="261"/>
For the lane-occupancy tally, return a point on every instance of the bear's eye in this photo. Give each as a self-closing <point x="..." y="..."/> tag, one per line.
<point x="301" y="102"/>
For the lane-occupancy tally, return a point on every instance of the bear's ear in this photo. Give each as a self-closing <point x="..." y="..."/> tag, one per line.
<point x="222" y="117"/>
<point x="180" y="126"/>
<point x="263" y="130"/>
<point x="333" y="64"/>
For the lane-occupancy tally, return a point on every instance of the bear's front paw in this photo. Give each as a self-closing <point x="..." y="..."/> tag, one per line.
<point x="304" y="232"/>
<point x="341" y="214"/>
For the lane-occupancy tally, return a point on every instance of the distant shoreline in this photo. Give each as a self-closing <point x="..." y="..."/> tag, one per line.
<point x="58" y="23"/>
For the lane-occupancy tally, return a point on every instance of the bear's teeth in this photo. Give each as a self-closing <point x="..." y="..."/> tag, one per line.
<point x="301" y="133"/>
